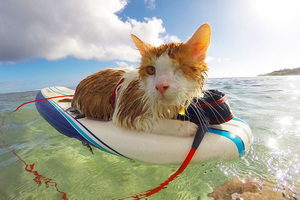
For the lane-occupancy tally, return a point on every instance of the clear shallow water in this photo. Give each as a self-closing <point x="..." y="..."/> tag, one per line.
<point x="271" y="105"/>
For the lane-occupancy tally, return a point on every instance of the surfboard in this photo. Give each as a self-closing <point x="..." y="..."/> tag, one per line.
<point x="227" y="141"/>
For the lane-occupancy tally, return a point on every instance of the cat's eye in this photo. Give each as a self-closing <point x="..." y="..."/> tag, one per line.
<point x="150" y="70"/>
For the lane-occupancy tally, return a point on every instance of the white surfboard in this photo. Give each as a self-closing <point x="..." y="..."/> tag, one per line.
<point x="227" y="141"/>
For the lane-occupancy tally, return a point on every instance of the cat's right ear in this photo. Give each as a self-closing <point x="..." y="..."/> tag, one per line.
<point x="198" y="44"/>
<point x="143" y="47"/>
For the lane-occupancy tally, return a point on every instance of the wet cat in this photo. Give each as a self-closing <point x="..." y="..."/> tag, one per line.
<point x="149" y="97"/>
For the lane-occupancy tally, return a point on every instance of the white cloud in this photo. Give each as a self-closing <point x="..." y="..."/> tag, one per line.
<point x="171" y="38"/>
<point x="220" y="60"/>
<point x="209" y="58"/>
<point x="148" y="30"/>
<point x="82" y="29"/>
<point x="124" y="65"/>
<point x="150" y="3"/>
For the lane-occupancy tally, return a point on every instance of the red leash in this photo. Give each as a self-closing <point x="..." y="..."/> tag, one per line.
<point x="71" y="95"/>
<point x="39" y="178"/>
<point x="197" y="140"/>
<point x="164" y="184"/>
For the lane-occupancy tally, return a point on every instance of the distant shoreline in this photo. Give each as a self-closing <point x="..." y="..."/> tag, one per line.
<point x="283" y="72"/>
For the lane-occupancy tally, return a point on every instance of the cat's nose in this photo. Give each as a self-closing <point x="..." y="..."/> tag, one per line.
<point x="161" y="88"/>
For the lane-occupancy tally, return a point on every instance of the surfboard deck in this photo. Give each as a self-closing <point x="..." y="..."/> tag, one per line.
<point x="227" y="141"/>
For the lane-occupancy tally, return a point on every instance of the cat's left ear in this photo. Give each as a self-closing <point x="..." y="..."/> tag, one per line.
<point x="199" y="42"/>
<point x="143" y="47"/>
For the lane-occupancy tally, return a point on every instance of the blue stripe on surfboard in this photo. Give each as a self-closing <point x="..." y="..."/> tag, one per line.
<point x="60" y="93"/>
<point x="234" y="138"/>
<point x="101" y="140"/>
<point x="81" y="132"/>
<point x="237" y="119"/>
<point x="78" y="129"/>
<point x="67" y="92"/>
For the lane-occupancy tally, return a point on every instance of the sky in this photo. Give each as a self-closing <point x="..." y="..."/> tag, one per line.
<point x="59" y="42"/>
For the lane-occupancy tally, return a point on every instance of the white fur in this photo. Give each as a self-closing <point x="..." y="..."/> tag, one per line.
<point x="129" y="76"/>
<point x="165" y="68"/>
<point x="180" y="88"/>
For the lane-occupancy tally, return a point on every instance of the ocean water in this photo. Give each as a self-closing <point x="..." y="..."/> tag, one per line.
<point x="37" y="162"/>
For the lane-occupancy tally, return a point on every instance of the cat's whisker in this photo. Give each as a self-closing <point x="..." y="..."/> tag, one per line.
<point x="214" y="110"/>
<point x="203" y="121"/>
<point x="234" y="99"/>
<point x="199" y="112"/>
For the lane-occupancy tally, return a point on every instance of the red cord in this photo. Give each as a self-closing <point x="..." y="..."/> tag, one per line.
<point x="39" y="178"/>
<point x="71" y="95"/>
<point x="171" y="178"/>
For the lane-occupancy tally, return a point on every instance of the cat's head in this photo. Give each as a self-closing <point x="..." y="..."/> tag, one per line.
<point x="174" y="73"/>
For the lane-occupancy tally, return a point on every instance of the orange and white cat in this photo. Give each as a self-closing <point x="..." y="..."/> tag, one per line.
<point x="150" y="96"/>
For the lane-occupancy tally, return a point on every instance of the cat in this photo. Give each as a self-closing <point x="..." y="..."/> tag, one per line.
<point x="149" y="97"/>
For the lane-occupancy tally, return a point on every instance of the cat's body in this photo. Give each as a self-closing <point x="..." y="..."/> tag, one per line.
<point x="149" y="97"/>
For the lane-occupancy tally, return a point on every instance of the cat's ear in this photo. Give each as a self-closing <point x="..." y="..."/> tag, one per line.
<point x="198" y="44"/>
<point x="143" y="47"/>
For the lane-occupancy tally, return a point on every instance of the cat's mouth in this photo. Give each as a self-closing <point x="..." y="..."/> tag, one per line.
<point x="168" y="100"/>
<point x="165" y="101"/>
<point x="171" y="97"/>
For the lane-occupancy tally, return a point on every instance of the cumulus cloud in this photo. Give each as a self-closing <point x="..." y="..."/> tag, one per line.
<point x="82" y="29"/>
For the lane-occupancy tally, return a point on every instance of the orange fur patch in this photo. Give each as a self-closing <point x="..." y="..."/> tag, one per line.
<point x="92" y="94"/>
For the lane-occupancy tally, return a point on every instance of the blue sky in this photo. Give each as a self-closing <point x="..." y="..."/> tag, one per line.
<point x="45" y="43"/>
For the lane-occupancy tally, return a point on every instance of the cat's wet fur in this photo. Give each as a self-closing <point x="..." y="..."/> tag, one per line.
<point x="150" y="96"/>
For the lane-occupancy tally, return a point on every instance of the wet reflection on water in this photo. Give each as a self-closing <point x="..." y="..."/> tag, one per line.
<point x="273" y="105"/>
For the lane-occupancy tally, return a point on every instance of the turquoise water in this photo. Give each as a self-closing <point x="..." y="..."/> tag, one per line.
<point x="271" y="105"/>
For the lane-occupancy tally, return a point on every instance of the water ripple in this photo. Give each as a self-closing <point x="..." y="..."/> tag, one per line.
<point x="269" y="104"/>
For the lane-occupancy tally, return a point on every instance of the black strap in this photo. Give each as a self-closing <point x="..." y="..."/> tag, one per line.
<point x="200" y="133"/>
<point x="212" y="108"/>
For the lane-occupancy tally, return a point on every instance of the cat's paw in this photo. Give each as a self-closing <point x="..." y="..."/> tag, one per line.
<point x="187" y="128"/>
<point x="174" y="127"/>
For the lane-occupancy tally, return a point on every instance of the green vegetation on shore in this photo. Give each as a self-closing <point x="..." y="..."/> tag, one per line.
<point x="283" y="72"/>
